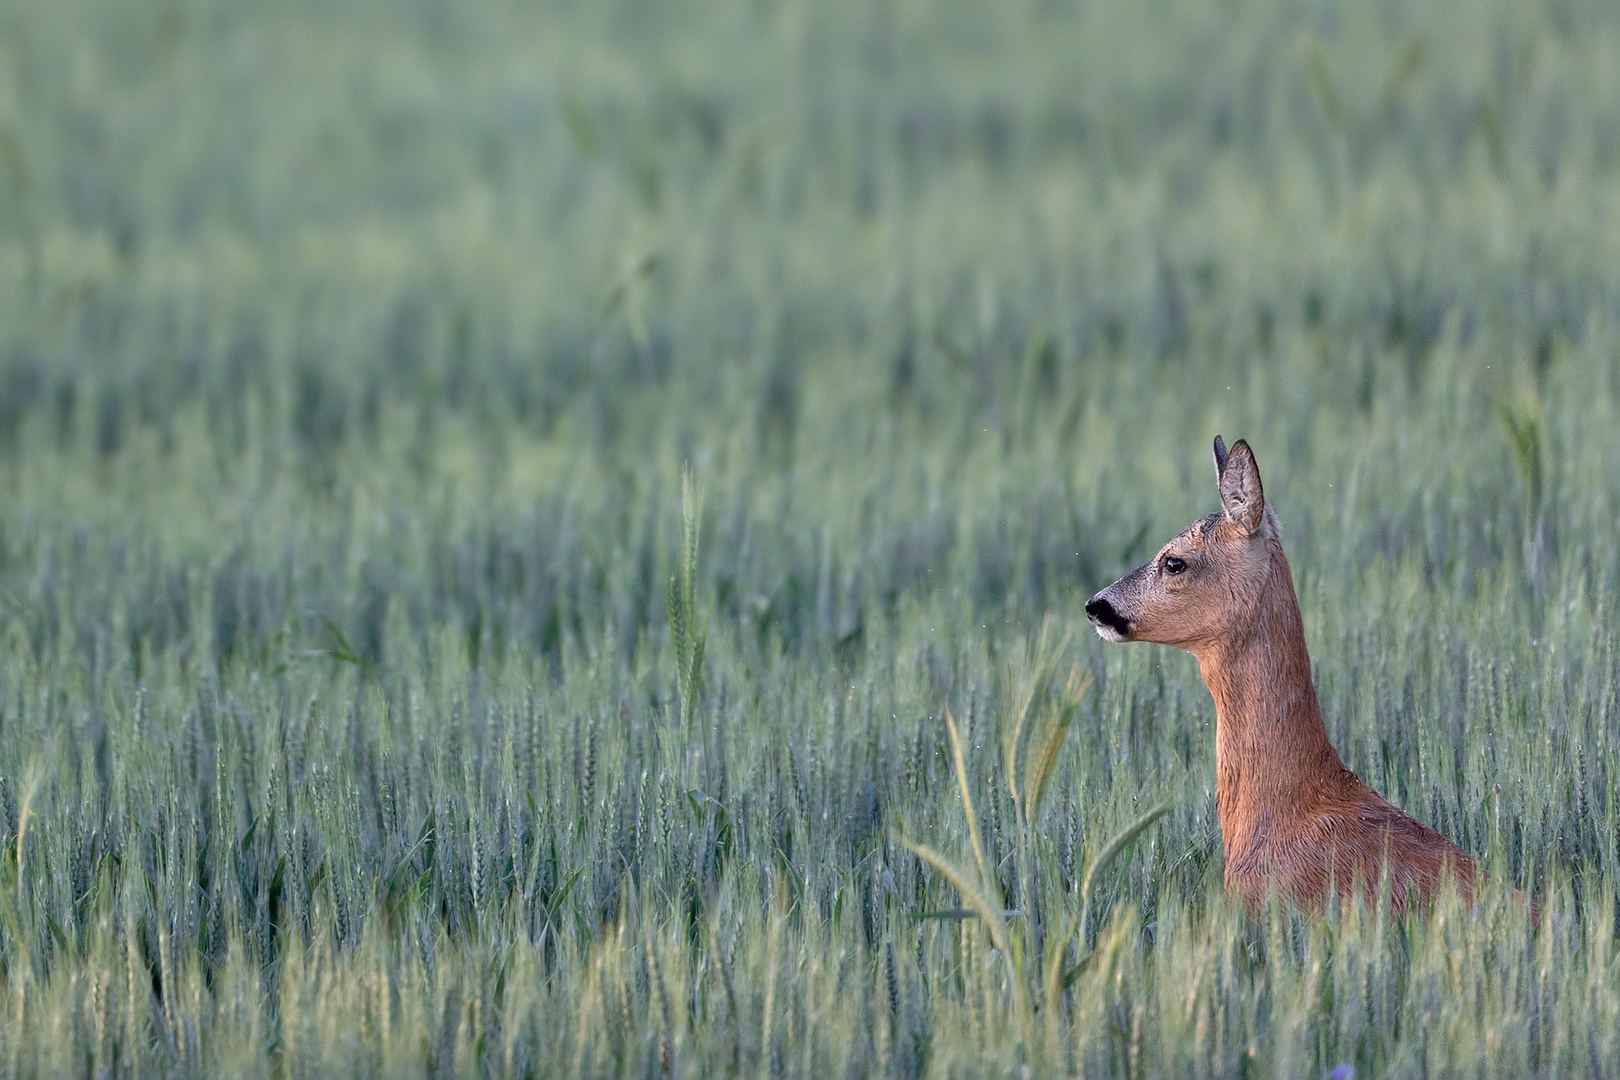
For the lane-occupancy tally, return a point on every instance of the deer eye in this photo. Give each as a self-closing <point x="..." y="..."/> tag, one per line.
<point x="1173" y="565"/>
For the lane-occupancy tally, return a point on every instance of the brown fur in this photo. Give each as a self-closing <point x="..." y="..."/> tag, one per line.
<point x="1293" y="817"/>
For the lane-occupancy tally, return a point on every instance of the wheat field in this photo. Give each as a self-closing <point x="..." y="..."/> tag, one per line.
<point x="498" y="501"/>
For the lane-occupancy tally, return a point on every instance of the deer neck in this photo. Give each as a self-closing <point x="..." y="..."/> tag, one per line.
<point x="1273" y="759"/>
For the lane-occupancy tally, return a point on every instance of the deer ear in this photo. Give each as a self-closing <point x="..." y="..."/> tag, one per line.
<point x="1241" y="494"/>
<point x="1220" y="457"/>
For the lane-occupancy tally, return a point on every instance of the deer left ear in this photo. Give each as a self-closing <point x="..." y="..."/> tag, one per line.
<point x="1220" y="457"/>
<point x="1241" y="493"/>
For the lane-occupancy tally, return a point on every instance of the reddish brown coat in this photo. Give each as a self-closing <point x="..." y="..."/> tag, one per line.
<point x="1293" y="817"/>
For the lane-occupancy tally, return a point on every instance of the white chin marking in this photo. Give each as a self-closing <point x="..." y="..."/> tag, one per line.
<point x="1108" y="633"/>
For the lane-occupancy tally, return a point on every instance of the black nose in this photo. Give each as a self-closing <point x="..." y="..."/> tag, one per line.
<point x="1101" y="612"/>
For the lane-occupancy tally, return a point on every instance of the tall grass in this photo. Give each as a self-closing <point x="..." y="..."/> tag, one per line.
<point x="377" y="696"/>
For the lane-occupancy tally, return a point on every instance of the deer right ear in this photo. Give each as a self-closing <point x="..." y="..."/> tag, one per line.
<point x="1220" y="457"/>
<point x="1241" y="493"/>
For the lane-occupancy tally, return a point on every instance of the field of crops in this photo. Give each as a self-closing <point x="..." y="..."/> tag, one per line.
<point x="377" y="698"/>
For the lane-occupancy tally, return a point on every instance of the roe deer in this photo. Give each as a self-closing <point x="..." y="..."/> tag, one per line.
<point x="1293" y="817"/>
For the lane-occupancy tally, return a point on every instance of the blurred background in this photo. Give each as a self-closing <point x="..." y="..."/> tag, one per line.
<point x="860" y="265"/>
<point x="351" y="354"/>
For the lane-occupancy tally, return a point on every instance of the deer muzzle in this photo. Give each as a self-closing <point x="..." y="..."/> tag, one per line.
<point x="1110" y="624"/>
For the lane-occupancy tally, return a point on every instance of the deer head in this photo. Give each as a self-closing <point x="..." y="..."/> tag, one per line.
<point x="1205" y="585"/>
